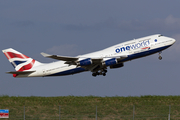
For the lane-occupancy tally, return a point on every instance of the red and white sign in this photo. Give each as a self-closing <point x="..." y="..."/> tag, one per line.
<point x="4" y="113"/>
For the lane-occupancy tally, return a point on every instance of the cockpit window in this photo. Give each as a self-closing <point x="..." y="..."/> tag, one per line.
<point x="160" y="35"/>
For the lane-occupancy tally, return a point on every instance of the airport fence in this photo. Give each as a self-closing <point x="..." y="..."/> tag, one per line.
<point x="134" y="112"/>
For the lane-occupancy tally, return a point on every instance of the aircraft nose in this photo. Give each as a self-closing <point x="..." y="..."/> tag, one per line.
<point x="173" y="41"/>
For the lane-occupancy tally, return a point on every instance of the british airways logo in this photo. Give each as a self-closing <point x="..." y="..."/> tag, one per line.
<point x="133" y="46"/>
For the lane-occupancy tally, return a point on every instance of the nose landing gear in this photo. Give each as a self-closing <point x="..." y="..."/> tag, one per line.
<point x="160" y="57"/>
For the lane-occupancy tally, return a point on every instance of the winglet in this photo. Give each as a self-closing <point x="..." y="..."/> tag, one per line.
<point x="45" y="54"/>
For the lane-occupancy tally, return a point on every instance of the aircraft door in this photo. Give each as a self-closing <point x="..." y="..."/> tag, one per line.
<point x="44" y="72"/>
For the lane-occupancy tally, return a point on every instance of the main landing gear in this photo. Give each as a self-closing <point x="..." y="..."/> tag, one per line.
<point x="160" y="57"/>
<point x="102" y="72"/>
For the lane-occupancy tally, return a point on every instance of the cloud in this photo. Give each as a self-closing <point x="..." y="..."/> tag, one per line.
<point x="172" y="21"/>
<point x="109" y="23"/>
<point x="64" y="50"/>
<point x="168" y="24"/>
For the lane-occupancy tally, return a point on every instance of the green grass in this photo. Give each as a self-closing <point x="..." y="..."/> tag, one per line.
<point x="71" y="107"/>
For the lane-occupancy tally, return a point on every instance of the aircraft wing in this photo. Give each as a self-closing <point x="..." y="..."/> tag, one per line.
<point x="71" y="60"/>
<point x="20" y="72"/>
<point x="67" y="58"/>
<point x="118" y="57"/>
<point x="92" y="64"/>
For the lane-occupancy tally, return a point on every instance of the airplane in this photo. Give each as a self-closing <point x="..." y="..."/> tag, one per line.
<point x="96" y="62"/>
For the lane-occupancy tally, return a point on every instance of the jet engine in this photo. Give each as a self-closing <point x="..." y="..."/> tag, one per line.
<point x="84" y="62"/>
<point x="109" y="62"/>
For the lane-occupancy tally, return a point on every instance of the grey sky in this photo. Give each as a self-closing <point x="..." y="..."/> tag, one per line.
<point x="70" y="27"/>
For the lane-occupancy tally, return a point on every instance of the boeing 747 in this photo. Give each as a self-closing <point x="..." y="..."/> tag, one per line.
<point x="96" y="62"/>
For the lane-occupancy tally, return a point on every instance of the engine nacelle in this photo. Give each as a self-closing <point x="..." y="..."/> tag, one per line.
<point x="117" y="66"/>
<point x="84" y="62"/>
<point x="109" y="62"/>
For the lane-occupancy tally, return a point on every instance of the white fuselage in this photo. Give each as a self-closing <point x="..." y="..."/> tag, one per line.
<point x="132" y="49"/>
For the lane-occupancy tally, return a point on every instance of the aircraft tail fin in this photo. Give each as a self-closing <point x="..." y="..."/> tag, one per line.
<point x="20" y="61"/>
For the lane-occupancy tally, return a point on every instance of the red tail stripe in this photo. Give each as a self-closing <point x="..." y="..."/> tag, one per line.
<point x="28" y="66"/>
<point x="11" y="55"/>
<point x="25" y="67"/>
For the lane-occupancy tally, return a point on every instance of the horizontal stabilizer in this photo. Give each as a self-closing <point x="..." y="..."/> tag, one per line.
<point x="57" y="57"/>
<point x="20" y="72"/>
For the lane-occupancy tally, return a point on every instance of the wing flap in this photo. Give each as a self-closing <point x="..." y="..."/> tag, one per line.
<point x="117" y="57"/>
<point x="121" y="57"/>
